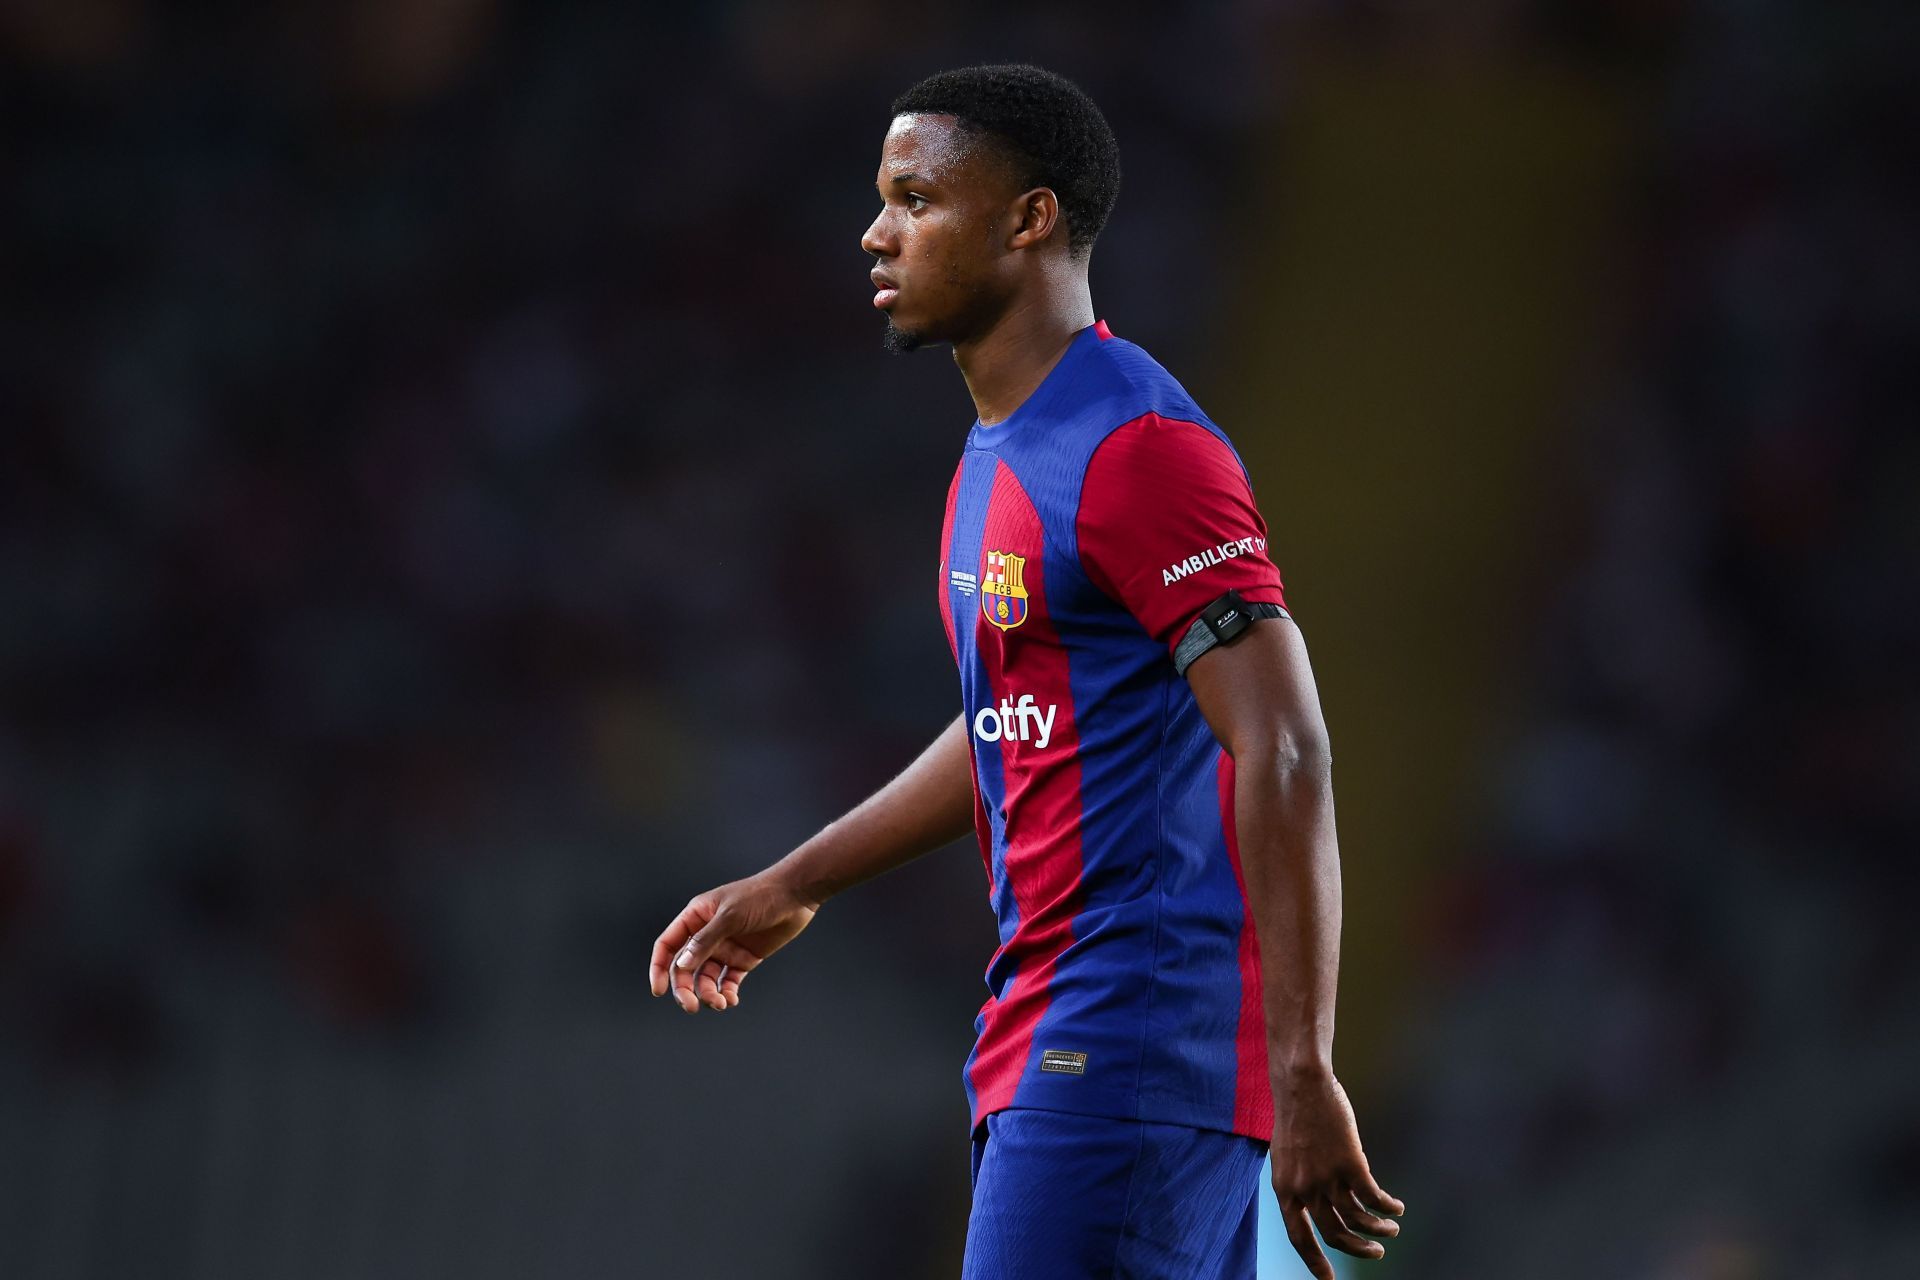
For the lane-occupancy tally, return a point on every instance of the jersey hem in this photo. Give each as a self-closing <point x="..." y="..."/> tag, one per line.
<point x="1185" y="1118"/>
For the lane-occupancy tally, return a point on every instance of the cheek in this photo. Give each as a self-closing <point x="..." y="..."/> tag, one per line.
<point x="966" y="261"/>
<point x="959" y="242"/>
<point x="906" y="234"/>
<point x="937" y="247"/>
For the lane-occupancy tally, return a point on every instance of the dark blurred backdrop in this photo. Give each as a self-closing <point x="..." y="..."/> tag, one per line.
<point x="454" y="507"/>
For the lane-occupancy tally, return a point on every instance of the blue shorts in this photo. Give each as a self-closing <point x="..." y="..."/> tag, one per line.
<point x="1070" y="1197"/>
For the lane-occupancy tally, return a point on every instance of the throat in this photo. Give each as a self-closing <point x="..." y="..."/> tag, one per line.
<point x="1008" y="365"/>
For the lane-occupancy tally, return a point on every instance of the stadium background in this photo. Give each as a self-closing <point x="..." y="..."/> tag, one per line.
<point x="453" y="507"/>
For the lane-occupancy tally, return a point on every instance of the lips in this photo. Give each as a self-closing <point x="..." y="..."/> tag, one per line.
<point x="886" y="288"/>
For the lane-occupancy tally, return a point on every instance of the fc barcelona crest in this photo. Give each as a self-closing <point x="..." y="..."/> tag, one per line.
<point x="1003" y="590"/>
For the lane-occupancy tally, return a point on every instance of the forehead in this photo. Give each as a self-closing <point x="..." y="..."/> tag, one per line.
<point x="934" y="148"/>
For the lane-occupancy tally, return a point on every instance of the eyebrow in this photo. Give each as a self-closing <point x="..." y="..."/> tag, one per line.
<point x="898" y="178"/>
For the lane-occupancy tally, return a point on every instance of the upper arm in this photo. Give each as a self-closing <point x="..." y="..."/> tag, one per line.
<point x="1258" y="695"/>
<point x="1167" y="526"/>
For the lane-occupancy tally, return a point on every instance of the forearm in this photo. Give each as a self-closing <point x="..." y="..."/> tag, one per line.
<point x="1290" y="860"/>
<point x="928" y="805"/>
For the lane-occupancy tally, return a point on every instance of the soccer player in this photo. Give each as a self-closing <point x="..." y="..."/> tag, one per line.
<point x="1141" y="752"/>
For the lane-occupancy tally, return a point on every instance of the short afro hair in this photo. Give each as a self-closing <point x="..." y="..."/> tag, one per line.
<point x="1046" y="125"/>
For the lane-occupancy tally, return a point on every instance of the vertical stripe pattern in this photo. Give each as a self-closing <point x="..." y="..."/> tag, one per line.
<point x="1126" y="980"/>
<point x="1252" y="1092"/>
<point x="1040" y="800"/>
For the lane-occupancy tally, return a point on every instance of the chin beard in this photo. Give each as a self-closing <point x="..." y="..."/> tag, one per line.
<point x="900" y="341"/>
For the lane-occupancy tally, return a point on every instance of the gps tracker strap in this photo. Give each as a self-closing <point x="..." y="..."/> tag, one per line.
<point x="1219" y="623"/>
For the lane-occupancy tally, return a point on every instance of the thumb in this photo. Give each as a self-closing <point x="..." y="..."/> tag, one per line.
<point x="701" y="945"/>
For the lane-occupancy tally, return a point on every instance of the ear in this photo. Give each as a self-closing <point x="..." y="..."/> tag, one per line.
<point x="1035" y="216"/>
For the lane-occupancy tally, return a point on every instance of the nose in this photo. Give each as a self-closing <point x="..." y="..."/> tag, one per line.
<point x="878" y="238"/>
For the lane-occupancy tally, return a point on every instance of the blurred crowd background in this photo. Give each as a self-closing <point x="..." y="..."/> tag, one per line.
<point x="454" y="507"/>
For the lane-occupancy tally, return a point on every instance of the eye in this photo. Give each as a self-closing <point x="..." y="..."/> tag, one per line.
<point x="915" y="203"/>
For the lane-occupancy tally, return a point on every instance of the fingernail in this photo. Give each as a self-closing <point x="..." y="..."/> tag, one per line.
<point x="685" y="959"/>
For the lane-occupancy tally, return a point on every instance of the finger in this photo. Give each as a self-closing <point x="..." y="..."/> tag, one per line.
<point x="1374" y="1198"/>
<point x="717" y="985"/>
<point x="702" y="986"/>
<point x="738" y="963"/>
<point x="727" y="985"/>
<point x="687" y="961"/>
<point x="707" y="984"/>
<point x="1293" y="1215"/>
<point x="672" y="940"/>
<point x="732" y="974"/>
<point x="1360" y="1219"/>
<point x="735" y="956"/>
<point x="1334" y="1232"/>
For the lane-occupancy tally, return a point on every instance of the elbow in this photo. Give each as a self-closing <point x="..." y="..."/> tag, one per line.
<point x="1295" y="756"/>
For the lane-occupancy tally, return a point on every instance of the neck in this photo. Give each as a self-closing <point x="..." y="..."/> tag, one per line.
<point x="1003" y="366"/>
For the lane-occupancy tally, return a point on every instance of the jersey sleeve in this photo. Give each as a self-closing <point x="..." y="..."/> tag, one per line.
<point x="1167" y="525"/>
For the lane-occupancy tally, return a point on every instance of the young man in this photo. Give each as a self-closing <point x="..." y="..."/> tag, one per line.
<point x="1141" y="754"/>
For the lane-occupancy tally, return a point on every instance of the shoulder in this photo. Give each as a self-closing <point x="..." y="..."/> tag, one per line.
<point x="1151" y="432"/>
<point x="1116" y="388"/>
<point x="1125" y="384"/>
<point x="1154" y="462"/>
<point x="1120" y="406"/>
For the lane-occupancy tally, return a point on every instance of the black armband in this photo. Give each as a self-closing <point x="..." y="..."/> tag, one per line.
<point x="1219" y="623"/>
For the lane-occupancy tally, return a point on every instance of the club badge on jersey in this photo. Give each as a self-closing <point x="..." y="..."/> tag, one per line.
<point x="1003" y="589"/>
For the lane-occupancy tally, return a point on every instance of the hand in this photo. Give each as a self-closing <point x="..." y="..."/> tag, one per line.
<point x="721" y="936"/>
<point x="1319" y="1170"/>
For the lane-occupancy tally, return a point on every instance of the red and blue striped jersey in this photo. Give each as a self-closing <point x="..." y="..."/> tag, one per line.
<point x="1084" y="535"/>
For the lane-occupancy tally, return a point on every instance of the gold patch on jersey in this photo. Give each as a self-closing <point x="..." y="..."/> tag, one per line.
<point x="1063" y="1062"/>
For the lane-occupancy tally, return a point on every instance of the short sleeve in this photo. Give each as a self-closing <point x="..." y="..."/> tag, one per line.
<point x="1167" y="525"/>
